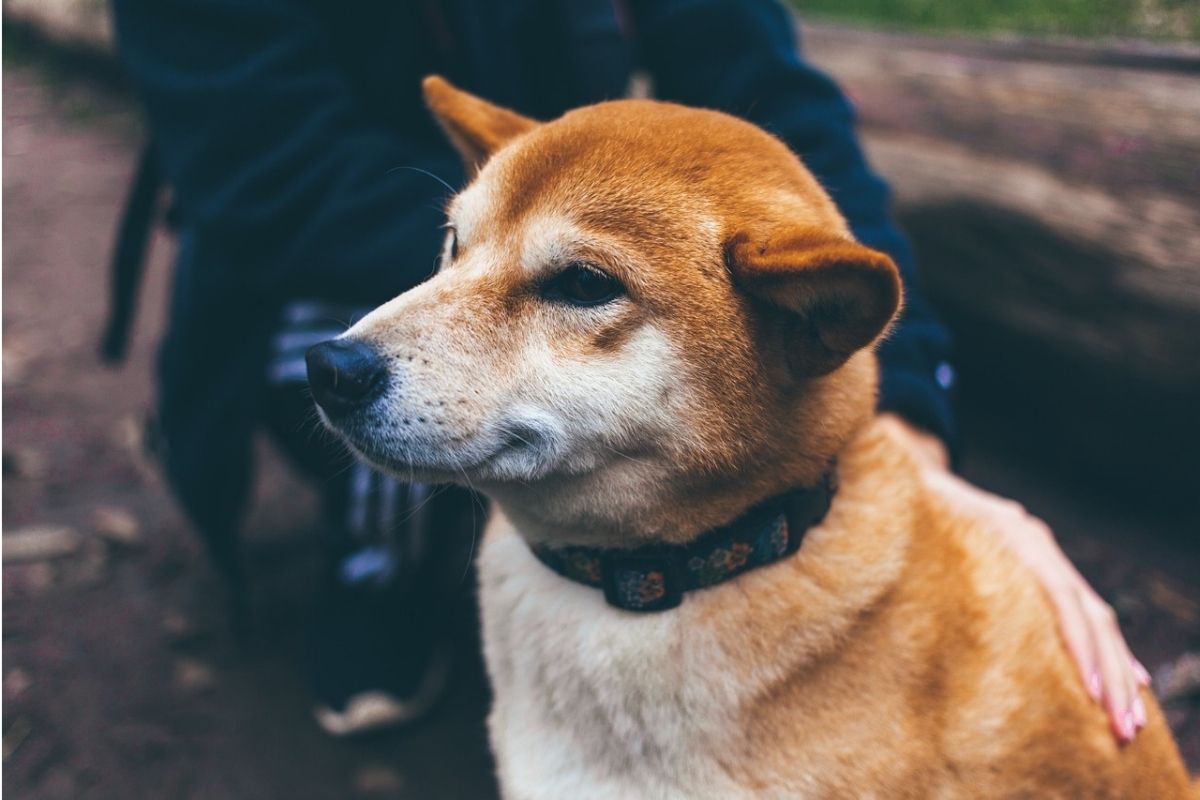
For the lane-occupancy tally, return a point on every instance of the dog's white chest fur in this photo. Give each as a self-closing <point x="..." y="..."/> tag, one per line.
<point x="596" y="702"/>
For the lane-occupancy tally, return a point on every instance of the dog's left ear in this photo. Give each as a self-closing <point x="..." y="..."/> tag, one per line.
<point x="476" y="128"/>
<point x="837" y="295"/>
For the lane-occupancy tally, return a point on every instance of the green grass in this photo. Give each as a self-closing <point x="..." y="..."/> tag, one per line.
<point x="1177" y="20"/>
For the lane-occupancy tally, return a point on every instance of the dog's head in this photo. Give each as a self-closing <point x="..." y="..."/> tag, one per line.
<point x="639" y="305"/>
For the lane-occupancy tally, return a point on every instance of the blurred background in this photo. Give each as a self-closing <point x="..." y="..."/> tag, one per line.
<point x="1046" y="163"/>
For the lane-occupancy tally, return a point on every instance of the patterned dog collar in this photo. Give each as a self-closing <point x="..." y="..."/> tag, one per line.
<point x="655" y="577"/>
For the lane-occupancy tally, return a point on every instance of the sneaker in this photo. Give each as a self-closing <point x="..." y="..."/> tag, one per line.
<point x="380" y="653"/>
<point x="379" y="709"/>
<point x="376" y="665"/>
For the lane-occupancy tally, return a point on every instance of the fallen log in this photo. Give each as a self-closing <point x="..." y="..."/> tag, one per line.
<point x="1117" y="116"/>
<point x="1112" y="279"/>
<point x="1076" y="312"/>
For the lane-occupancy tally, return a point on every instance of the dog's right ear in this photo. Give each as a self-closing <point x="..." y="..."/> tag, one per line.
<point x="832" y="295"/>
<point x="476" y="128"/>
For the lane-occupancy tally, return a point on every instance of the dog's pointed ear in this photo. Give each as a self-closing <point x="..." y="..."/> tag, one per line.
<point x="476" y="128"/>
<point x="837" y="296"/>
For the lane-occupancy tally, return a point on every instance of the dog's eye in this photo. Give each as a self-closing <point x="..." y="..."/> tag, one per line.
<point x="583" y="285"/>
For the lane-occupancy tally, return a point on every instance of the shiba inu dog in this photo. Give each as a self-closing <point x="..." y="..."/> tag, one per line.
<point x="709" y="571"/>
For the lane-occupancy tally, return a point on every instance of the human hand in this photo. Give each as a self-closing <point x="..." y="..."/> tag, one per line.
<point x="1088" y="624"/>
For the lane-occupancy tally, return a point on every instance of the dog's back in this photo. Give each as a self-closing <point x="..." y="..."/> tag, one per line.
<point x="971" y="692"/>
<point x="1015" y="710"/>
<point x="1013" y="718"/>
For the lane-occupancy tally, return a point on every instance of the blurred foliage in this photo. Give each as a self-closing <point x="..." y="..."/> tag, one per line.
<point x="1152" y="19"/>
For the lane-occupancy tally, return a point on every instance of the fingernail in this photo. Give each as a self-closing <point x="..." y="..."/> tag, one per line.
<point x="1139" y="712"/>
<point x="1093" y="685"/>
<point x="1127" y="726"/>
<point x="1143" y="675"/>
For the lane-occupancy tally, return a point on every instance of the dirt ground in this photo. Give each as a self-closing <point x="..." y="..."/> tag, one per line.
<point x="120" y="678"/>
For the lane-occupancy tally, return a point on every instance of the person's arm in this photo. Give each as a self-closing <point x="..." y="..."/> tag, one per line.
<point x="272" y="160"/>
<point x="741" y="56"/>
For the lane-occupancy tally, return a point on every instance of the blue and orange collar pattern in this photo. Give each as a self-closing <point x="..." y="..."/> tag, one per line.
<point x="655" y="577"/>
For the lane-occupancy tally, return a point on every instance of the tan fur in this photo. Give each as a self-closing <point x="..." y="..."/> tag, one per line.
<point x="900" y="653"/>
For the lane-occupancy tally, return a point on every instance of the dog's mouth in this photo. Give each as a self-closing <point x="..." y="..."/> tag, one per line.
<point x="513" y="450"/>
<point x="519" y="438"/>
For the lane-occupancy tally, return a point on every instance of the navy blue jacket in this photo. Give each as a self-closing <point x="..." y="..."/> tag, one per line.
<point x="279" y="123"/>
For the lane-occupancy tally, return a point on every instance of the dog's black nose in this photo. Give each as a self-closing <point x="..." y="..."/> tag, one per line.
<point x="344" y="374"/>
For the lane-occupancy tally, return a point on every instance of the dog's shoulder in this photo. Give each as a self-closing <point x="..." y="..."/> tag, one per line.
<point x="1009" y="697"/>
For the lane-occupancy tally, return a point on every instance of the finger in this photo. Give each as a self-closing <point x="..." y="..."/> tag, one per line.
<point x="1077" y="631"/>
<point x="1107" y="627"/>
<point x="1130" y="667"/>
<point x="1143" y="675"/>
<point x="1117" y="678"/>
<point x="1118" y="675"/>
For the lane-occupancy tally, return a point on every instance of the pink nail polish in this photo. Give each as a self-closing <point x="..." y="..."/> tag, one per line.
<point x="1093" y="685"/>
<point x="1143" y="676"/>
<point x="1139" y="712"/>
<point x="1127" y="726"/>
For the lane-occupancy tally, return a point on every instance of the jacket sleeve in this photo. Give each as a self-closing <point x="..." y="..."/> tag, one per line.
<point x="741" y="56"/>
<point x="288" y="184"/>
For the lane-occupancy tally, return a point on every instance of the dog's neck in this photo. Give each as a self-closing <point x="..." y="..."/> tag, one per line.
<point x="633" y="502"/>
<point x="634" y="514"/>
